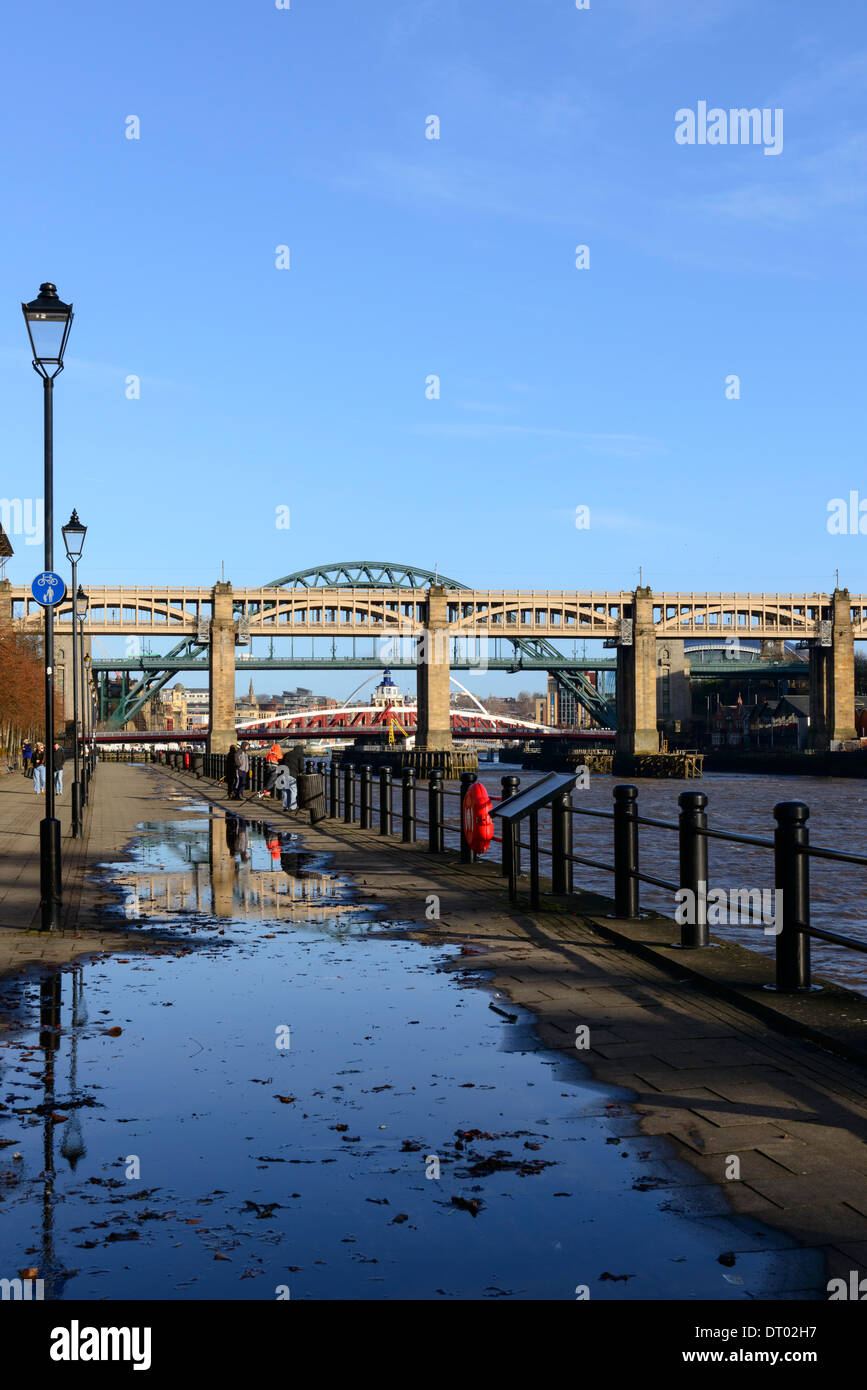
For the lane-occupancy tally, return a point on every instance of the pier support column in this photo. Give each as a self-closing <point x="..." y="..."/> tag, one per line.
<point x="221" y="693"/>
<point x="434" y="725"/>
<point x="636" y="680"/>
<point x="832" y="677"/>
<point x="222" y="866"/>
<point x="5" y="602"/>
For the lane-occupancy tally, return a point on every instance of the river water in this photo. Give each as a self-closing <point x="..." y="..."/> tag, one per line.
<point x="254" y="1111"/>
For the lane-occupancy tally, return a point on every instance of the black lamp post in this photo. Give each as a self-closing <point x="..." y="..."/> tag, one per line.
<point x="73" y="538"/>
<point x="81" y="607"/>
<point x="48" y="322"/>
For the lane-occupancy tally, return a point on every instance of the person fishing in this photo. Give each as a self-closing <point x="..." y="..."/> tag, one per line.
<point x="280" y="779"/>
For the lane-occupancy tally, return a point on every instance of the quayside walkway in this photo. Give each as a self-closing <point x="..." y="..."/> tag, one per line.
<point x="772" y="1126"/>
<point x="120" y="798"/>
<point x="710" y="1080"/>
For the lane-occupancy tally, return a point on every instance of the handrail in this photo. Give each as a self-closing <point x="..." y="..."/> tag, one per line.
<point x="790" y="845"/>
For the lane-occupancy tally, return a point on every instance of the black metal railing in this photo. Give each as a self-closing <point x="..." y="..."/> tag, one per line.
<point x="351" y="797"/>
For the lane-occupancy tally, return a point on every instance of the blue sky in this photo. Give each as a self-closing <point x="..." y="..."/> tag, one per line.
<point x="305" y="388"/>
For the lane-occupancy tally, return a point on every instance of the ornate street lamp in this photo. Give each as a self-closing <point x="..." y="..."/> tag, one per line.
<point x="48" y="321"/>
<point x="73" y="538"/>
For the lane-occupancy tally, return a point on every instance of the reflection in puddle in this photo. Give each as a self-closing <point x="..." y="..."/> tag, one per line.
<point x="264" y="1112"/>
<point x="226" y="867"/>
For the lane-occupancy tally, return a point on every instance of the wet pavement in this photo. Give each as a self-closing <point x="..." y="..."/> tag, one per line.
<point x="296" y="1098"/>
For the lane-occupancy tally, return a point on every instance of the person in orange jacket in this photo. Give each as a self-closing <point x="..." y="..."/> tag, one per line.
<point x="272" y="757"/>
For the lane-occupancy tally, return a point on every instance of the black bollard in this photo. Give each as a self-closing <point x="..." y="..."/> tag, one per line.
<point x="467" y="856"/>
<point x="334" y="789"/>
<point x="349" y="794"/>
<point x="625" y="852"/>
<point x="435" y="811"/>
<point x="510" y="786"/>
<point x="407" y="811"/>
<point x="561" y="843"/>
<point x="365" y="795"/>
<point x="693" y="869"/>
<point x="792" y="882"/>
<point x="534" y="858"/>
<point x="386" y="795"/>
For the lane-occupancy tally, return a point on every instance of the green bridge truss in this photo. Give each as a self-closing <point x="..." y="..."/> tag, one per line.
<point x="364" y="574"/>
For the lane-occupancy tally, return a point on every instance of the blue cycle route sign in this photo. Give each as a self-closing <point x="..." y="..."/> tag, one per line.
<point x="48" y="589"/>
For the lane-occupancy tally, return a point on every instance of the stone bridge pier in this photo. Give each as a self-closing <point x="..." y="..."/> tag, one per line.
<point x="832" y="676"/>
<point x="636" y="679"/>
<point x="434" y="745"/>
<point x="433" y="671"/>
<point x="221" y="656"/>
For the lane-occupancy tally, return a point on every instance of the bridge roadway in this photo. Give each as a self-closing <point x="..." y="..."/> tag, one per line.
<point x="431" y="618"/>
<point x="184" y="611"/>
<point x="700" y="670"/>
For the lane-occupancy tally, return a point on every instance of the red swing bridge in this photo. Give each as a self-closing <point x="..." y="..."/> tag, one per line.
<point x="354" y="722"/>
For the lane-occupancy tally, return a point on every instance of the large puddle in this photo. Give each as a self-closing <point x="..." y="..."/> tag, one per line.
<point x="297" y="1100"/>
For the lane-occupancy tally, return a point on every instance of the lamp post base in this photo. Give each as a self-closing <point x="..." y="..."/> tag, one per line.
<point x="49" y="873"/>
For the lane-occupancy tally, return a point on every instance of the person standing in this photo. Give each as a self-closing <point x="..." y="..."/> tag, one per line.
<point x="59" y="760"/>
<point x="280" y="779"/>
<point x="273" y="758"/>
<point x="38" y="761"/>
<point x="242" y="768"/>
<point x="231" y="767"/>
<point x="237" y="838"/>
<point x="27" y="755"/>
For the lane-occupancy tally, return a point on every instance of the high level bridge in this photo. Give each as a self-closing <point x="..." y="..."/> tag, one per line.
<point x="426" y="612"/>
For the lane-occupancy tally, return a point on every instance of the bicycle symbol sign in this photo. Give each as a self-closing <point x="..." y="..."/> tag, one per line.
<point x="48" y="589"/>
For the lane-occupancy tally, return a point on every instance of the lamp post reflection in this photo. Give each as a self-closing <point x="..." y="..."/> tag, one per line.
<point x="72" y="1146"/>
<point x="49" y="1041"/>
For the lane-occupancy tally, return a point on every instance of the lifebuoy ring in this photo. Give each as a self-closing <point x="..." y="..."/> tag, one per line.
<point x="476" y="815"/>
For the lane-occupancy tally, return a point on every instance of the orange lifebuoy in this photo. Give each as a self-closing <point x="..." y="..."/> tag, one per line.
<point x="476" y="814"/>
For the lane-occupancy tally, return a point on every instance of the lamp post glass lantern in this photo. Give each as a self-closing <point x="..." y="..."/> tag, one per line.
<point x="73" y="538"/>
<point x="48" y="320"/>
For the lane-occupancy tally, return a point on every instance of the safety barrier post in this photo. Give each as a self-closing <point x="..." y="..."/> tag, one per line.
<point x="694" y="934"/>
<point x="510" y="787"/>
<point x="366" y="795"/>
<point x="386" y="800"/>
<point x="435" y="811"/>
<point x="407" y="810"/>
<point x="534" y="858"/>
<point x="625" y="852"/>
<point x="348" y="794"/>
<point x="792" y="883"/>
<point x="561" y="843"/>
<point x="467" y="779"/>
